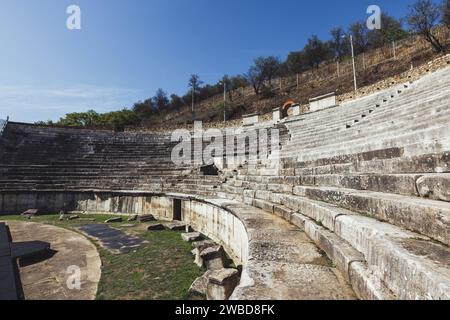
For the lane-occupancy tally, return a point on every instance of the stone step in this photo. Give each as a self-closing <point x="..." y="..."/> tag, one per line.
<point x="391" y="253"/>
<point x="428" y="217"/>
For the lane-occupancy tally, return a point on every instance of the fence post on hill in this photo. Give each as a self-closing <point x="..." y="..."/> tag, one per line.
<point x="298" y="84"/>
<point x="337" y="68"/>
<point x="394" y="53"/>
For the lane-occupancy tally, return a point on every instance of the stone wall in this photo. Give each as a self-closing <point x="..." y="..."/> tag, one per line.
<point x="208" y="218"/>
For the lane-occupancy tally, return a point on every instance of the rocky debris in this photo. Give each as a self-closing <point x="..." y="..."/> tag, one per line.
<point x="114" y="220"/>
<point x="146" y="218"/>
<point x="435" y="187"/>
<point x="30" y="213"/>
<point x="191" y="236"/>
<point x="222" y="283"/>
<point x="199" y="246"/>
<point x="175" y="226"/>
<point x="214" y="258"/>
<point x="198" y="289"/>
<point x="132" y="218"/>
<point x="127" y="225"/>
<point x="155" y="227"/>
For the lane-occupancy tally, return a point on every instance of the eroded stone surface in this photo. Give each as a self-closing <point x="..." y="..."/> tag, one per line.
<point x="46" y="280"/>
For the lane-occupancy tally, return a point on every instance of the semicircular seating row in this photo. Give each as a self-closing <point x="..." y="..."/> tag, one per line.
<point x="368" y="181"/>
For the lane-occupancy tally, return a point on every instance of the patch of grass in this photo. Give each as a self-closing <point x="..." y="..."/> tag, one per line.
<point x="163" y="269"/>
<point x="160" y="270"/>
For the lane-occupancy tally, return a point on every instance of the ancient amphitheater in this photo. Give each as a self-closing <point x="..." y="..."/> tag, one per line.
<point x="355" y="204"/>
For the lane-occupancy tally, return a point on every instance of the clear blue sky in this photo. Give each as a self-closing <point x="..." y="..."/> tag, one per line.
<point x="126" y="50"/>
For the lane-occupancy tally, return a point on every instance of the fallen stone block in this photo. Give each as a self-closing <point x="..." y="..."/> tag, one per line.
<point x="191" y="236"/>
<point x="199" y="246"/>
<point x="30" y="213"/>
<point x="73" y="217"/>
<point x="197" y="290"/>
<point x="155" y="227"/>
<point x="146" y="218"/>
<point x="214" y="258"/>
<point x="114" y="220"/>
<point x="133" y="217"/>
<point x="435" y="187"/>
<point x="175" y="226"/>
<point x="222" y="283"/>
<point x="127" y="225"/>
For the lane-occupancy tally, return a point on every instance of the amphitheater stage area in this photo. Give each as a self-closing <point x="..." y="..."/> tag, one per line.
<point x="45" y="278"/>
<point x="355" y="204"/>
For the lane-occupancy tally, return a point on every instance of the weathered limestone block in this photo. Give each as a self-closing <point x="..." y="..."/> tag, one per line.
<point x="155" y="227"/>
<point x="222" y="284"/>
<point x="411" y="266"/>
<point x="214" y="257"/>
<point x="132" y="217"/>
<point x="435" y="187"/>
<point x="283" y="212"/>
<point x="175" y="226"/>
<point x="113" y="220"/>
<point x="264" y="205"/>
<point x="146" y="218"/>
<point x="198" y="248"/>
<point x="191" y="236"/>
<point x="366" y="284"/>
<point x="197" y="290"/>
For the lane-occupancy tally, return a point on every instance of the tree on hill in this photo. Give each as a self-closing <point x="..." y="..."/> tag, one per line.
<point x="360" y="35"/>
<point x="446" y="13"/>
<point x="176" y="102"/>
<point x="255" y="77"/>
<point x="296" y="62"/>
<point x="194" y="84"/>
<point x="144" y="110"/>
<point x="391" y="30"/>
<point x="338" y="43"/>
<point x="269" y="66"/>
<point x="316" y="51"/>
<point x="422" y="18"/>
<point x="160" y="100"/>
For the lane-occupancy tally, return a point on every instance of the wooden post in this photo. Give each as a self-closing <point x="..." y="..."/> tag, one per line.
<point x="298" y="82"/>
<point x="394" y="51"/>
<point x="338" y="71"/>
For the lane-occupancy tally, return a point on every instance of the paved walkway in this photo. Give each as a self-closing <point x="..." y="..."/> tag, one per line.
<point x="113" y="240"/>
<point x="47" y="280"/>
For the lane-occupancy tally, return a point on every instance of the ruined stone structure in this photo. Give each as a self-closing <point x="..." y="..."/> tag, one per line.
<point x="355" y="205"/>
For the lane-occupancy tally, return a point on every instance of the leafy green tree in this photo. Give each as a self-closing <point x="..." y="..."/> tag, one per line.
<point x="391" y="30"/>
<point x="316" y="51"/>
<point x="269" y="67"/>
<point x="176" y="102"/>
<point x="339" y="43"/>
<point x="296" y="62"/>
<point x="144" y="110"/>
<point x="160" y="100"/>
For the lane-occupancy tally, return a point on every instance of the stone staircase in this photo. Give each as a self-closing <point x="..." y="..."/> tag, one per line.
<point x="373" y="195"/>
<point x="368" y="182"/>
